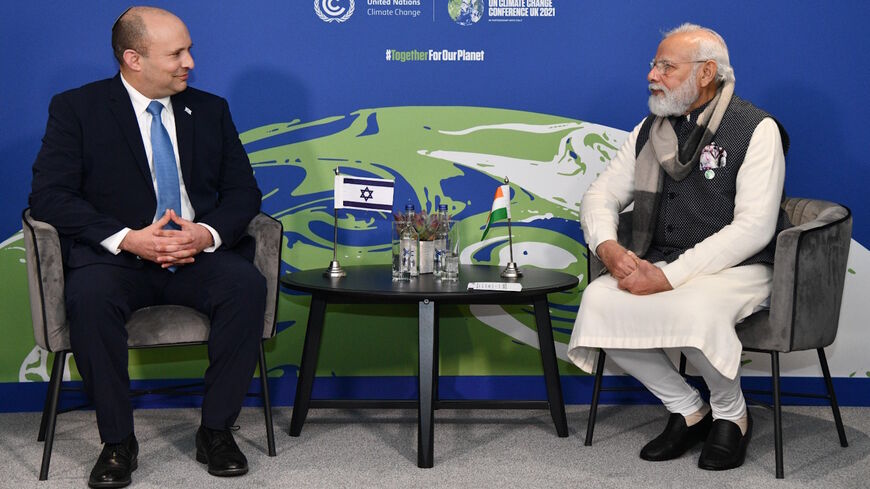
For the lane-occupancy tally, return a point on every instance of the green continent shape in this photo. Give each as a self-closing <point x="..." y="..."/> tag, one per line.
<point x="371" y="339"/>
<point x="405" y="136"/>
<point x="453" y="7"/>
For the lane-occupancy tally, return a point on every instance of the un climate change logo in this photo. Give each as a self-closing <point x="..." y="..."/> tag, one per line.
<point x="333" y="10"/>
<point x="465" y="12"/>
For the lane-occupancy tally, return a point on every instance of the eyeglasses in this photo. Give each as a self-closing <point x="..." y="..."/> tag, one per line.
<point x="665" y="67"/>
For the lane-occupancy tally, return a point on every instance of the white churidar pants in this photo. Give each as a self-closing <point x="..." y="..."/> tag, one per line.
<point x="696" y="318"/>
<point x="654" y="369"/>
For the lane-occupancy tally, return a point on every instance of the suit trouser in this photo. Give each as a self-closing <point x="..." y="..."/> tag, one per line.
<point x="654" y="369"/>
<point x="100" y="298"/>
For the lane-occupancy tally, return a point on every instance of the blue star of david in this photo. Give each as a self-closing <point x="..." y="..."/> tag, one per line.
<point x="365" y="194"/>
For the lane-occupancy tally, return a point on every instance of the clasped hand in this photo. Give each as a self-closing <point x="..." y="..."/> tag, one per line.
<point x="168" y="247"/>
<point x="633" y="274"/>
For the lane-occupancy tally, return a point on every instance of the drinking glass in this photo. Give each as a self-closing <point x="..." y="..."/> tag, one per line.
<point x="450" y="256"/>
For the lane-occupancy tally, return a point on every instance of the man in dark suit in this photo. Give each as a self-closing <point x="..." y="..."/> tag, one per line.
<point x="151" y="191"/>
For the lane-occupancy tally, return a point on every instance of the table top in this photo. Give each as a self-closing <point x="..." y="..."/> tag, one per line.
<point x="375" y="282"/>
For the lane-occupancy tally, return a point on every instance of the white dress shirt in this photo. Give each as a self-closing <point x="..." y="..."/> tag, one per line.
<point x="167" y="118"/>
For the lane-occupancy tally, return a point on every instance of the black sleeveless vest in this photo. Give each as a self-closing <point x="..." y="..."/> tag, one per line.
<point x="697" y="207"/>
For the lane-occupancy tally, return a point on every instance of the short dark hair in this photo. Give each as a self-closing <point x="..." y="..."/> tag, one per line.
<point x="129" y="32"/>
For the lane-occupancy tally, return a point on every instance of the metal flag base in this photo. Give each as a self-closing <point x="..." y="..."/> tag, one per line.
<point x="511" y="271"/>
<point x="334" y="270"/>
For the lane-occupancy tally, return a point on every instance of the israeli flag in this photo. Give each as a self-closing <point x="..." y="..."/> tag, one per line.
<point x="368" y="194"/>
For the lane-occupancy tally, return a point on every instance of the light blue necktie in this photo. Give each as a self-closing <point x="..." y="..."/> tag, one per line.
<point x="165" y="168"/>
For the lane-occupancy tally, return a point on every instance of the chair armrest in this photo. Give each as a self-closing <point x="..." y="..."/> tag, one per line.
<point x="267" y="233"/>
<point x="45" y="282"/>
<point x="594" y="267"/>
<point x="809" y="273"/>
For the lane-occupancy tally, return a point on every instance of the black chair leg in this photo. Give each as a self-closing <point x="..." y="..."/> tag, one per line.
<point x="46" y="408"/>
<point x="596" y="392"/>
<point x="777" y="414"/>
<point x="823" y="361"/>
<point x="50" y="415"/>
<point x="267" y="404"/>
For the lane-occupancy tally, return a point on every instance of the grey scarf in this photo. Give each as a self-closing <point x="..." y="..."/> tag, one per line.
<point x="662" y="153"/>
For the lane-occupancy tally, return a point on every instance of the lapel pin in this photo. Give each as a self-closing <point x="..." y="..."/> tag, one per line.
<point x="712" y="156"/>
<point x="189" y="112"/>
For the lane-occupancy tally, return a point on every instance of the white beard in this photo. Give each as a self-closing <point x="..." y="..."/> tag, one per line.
<point x="673" y="102"/>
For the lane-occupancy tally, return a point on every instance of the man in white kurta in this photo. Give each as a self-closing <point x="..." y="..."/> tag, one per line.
<point x="639" y="310"/>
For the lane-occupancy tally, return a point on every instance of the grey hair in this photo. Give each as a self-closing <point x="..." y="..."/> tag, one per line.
<point x="709" y="46"/>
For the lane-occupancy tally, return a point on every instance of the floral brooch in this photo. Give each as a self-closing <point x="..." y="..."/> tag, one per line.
<point x="712" y="156"/>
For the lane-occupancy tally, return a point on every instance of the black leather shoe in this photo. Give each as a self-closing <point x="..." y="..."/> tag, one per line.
<point x="218" y="449"/>
<point x="725" y="447"/>
<point x="115" y="464"/>
<point x="676" y="438"/>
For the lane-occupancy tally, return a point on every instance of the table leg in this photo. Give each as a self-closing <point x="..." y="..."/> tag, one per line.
<point x="425" y="415"/>
<point x="551" y="367"/>
<point x="436" y="356"/>
<point x="308" y="366"/>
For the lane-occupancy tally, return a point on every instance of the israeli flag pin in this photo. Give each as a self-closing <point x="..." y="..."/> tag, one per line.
<point x="189" y="112"/>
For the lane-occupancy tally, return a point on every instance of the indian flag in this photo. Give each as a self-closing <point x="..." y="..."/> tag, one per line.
<point x="501" y="207"/>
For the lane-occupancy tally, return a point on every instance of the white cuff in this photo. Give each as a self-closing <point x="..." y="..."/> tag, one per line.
<point x="677" y="272"/>
<point x="112" y="244"/>
<point x="215" y="237"/>
<point x="599" y="238"/>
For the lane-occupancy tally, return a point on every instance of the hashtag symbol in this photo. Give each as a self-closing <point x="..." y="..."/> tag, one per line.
<point x="389" y="55"/>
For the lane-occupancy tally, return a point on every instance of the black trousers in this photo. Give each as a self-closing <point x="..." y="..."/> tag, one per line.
<point x="101" y="298"/>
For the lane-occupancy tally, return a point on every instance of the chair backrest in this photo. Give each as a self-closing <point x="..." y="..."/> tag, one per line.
<point x="809" y="273"/>
<point x="45" y="283"/>
<point x="268" y="233"/>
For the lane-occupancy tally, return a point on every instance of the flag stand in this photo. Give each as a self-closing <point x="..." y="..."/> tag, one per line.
<point x="511" y="270"/>
<point x="362" y="193"/>
<point x="334" y="269"/>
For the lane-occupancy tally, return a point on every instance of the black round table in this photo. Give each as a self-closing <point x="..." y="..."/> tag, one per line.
<point x="374" y="284"/>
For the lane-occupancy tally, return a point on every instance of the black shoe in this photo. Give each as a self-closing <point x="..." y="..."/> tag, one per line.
<point x="725" y="447"/>
<point x="676" y="439"/>
<point x="218" y="449"/>
<point x="115" y="464"/>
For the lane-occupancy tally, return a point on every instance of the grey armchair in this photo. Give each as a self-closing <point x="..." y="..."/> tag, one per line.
<point x="155" y="326"/>
<point x="809" y="273"/>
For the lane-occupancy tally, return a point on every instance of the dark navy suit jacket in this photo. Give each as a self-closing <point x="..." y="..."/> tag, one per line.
<point x="91" y="177"/>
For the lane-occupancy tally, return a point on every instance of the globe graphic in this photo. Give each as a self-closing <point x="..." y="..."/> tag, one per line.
<point x="465" y="12"/>
<point x="436" y="155"/>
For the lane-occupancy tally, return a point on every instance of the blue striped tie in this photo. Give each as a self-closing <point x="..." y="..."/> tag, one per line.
<point x="165" y="168"/>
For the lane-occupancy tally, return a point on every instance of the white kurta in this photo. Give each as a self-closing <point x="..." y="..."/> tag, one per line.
<point x="710" y="294"/>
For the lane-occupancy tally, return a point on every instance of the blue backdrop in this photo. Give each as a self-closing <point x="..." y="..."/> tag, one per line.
<point x="803" y="61"/>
